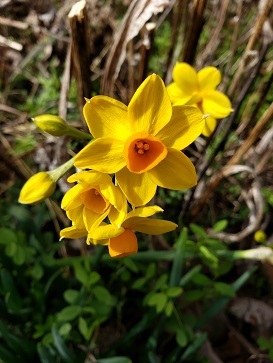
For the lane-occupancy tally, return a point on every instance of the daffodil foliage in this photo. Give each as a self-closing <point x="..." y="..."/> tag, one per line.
<point x="199" y="89"/>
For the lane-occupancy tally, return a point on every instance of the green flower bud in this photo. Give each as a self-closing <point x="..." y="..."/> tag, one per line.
<point x="53" y="125"/>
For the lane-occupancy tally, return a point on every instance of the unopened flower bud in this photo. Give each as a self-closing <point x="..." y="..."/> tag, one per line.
<point x="39" y="187"/>
<point x="53" y="125"/>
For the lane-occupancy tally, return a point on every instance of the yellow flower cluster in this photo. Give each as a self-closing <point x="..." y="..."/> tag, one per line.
<point x="138" y="146"/>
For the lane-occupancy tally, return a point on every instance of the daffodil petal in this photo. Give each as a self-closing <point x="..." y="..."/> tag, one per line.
<point x="216" y="104"/>
<point x="104" y="155"/>
<point x="139" y="189"/>
<point x="106" y="116"/>
<point x="146" y="211"/>
<point x="105" y="232"/>
<point x="92" y="219"/>
<point x="184" y="127"/>
<point x="113" y="194"/>
<point x="73" y="232"/>
<point x="150" y="107"/>
<point x="123" y="245"/>
<point x="150" y="226"/>
<point x="185" y="77"/>
<point x="75" y="215"/>
<point x="116" y="217"/>
<point x="176" y="171"/>
<point x="208" y="78"/>
<point x="176" y="94"/>
<point x="71" y="198"/>
<point x="210" y="125"/>
<point x="90" y="177"/>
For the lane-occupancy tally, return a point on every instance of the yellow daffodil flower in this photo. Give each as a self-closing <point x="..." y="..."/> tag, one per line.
<point x="37" y="188"/>
<point x="199" y="89"/>
<point x="141" y="143"/>
<point x="123" y="241"/>
<point x="93" y="199"/>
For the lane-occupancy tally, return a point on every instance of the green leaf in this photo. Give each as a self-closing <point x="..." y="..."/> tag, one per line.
<point x="174" y="291"/>
<point x="161" y="283"/>
<point x="194" y="295"/>
<point x="220" y="225"/>
<point x="71" y="296"/>
<point x="189" y="275"/>
<point x="209" y="258"/>
<point x="151" y="270"/>
<point x="179" y="258"/>
<point x="224" y="289"/>
<point x="198" y="341"/>
<point x="7" y="236"/>
<point x="115" y="360"/>
<point x="93" y="278"/>
<point x="20" y="257"/>
<point x="62" y="349"/>
<point x="181" y="338"/>
<point x="83" y="328"/>
<point x="158" y="300"/>
<point x="130" y="264"/>
<point x="69" y="313"/>
<point x="201" y="279"/>
<point x="199" y="231"/>
<point x="45" y="356"/>
<point x="169" y="308"/>
<point x="139" y="283"/>
<point x="65" y="329"/>
<point x="81" y="274"/>
<point x="11" y="249"/>
<point x="103" y="295"/>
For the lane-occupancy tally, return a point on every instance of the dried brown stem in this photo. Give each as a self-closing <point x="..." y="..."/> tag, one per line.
<point x="79" y="26"/>
<point x="255" y="133"/>
<point x="250" y="45"/>
<point x="194" y="30"/>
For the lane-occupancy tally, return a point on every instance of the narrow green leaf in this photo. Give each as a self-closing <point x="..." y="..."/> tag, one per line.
<point x="69" y="313"/>
<point x="199" y="231"/>
<point x="174" y="291"/>
<point x="220" y="225"/>
<point x="179" y="258"/>
<point x="62" y="349"/>
<point x="94" y="277"/>
<point x="198" y="341"/>
<point x="189" y="275"/>
<point x="201" y="279"/>
<point x="181" y="338"/>
<point x="45" y="356"/>
<point x="83" y="328"/>
<point x="115" y="360"/>
<point x="224" y="289"/>
<point x="81" y="273"/>
<point x="169" y="308"/>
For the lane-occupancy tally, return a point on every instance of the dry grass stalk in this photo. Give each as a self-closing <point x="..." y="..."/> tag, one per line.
<point x="138" y="14"/>
<point x="79" y="26"/>
<point x="196" y="23"/>
<point x="250" y="45"/>
<point x="252" y="138"/>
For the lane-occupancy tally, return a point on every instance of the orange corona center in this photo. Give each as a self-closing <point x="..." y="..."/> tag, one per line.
<point x="95" y="201"/>
<point x="142" y="152"/>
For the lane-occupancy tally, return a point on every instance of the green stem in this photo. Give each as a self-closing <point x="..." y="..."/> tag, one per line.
<point x="72" y="131"/>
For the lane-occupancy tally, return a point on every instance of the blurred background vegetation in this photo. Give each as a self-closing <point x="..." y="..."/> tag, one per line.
<point x="200" y="294"/>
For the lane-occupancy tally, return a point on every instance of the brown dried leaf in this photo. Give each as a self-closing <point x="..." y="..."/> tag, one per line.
<point x="138" y="14"/>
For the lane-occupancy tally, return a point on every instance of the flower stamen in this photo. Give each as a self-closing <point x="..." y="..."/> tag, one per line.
<point x="141" y="146"/>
